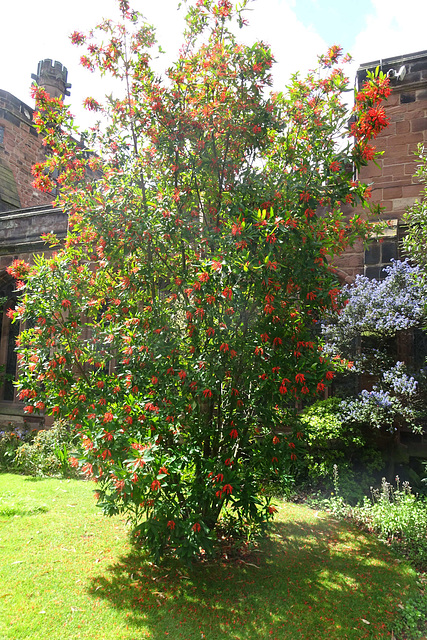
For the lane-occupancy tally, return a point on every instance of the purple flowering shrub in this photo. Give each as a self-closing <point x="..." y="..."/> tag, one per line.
<point x="366" y="332"/>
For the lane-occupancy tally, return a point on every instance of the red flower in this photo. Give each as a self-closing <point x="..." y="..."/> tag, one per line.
<point x="224" y="347"/>
<point x="66" y="304"/>
<point x="272" y="509"/>
<point x="182" y="374"/>
<point x="85" y="62"/>
<point x="171" y="525"/>
<point x="276" y="440"/>
<point x="155" y="485"/>
<point x="77" y="37"/>
<point x="329" y="375"/>
<point x="227" y="489"/>
<point x="368" y="152"/>
<point x="236" y="229"/>
<point x="91" y="104"/>
<point x="234" y="434"/>
<point x="196" y="527"/>
<point x="207" y="393"/>
<point x="87" y="469"/>
<point x="18" y="269"/>
<point x="120" y="485"/>
<point x="283" y="389"/>
<point x="300" y="378"/>
<point x="216" y="265"/>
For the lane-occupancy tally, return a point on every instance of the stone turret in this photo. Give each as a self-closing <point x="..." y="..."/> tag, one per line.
<point x="53" y="77"/>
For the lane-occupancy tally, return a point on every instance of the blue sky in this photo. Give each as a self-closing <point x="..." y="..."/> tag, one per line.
<point x="333" y="19"/>
<point x="297" y="30"/>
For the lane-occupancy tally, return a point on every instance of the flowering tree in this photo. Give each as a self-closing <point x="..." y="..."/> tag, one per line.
<point x="365" y="332"/>
<point x="176" y="328"/>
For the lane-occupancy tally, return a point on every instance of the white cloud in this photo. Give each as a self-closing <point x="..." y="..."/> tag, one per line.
<point x="294" y="46"/>
<point x="392" y="29"/>
<point x="46" y="35"/>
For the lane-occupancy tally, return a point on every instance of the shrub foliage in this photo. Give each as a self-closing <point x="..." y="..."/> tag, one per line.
<point x="177" y="327"/>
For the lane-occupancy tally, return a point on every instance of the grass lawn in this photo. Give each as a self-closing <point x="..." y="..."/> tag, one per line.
<point x="67" y="572"/>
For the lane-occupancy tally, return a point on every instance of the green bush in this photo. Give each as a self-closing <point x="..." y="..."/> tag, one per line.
<point x="413" y="618"/>
<point x="48" y="454"/>
<point x="331" y="442"/>
<point x="10" y="441"/>
<point x="398" y="516"/>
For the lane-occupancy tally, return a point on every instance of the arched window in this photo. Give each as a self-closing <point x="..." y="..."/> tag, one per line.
<point x="8" y="334"/>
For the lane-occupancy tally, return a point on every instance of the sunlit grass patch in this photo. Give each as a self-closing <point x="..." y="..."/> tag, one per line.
<point x="70" y="573"/>
<point x="12" y="505"/>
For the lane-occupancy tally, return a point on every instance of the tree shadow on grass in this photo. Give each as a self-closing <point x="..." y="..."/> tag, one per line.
<point x="319" y="580"/>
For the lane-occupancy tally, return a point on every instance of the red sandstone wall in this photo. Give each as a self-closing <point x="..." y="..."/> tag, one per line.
<point x="21" y="148"/>
<point x="394" y="187"/>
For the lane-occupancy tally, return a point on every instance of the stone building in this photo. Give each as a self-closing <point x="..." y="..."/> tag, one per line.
<point x="394" y="186"/>
<point x="25" y="213"/>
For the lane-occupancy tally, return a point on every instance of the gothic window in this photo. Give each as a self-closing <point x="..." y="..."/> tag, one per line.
<point x="8" y="334"/>
<point x="382" y="251"/>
